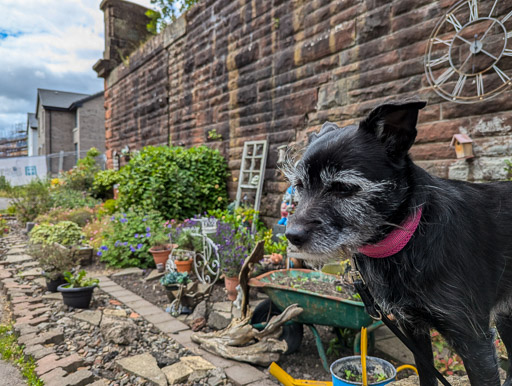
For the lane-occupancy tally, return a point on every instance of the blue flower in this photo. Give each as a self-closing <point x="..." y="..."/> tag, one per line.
<point x="125" y="243"/>
<point x="112" y="218"/>
<point x="104" y="247"/>
<point x="117" y="243"/>
<point x="144" y="219"/>
<point x="139" y="246"/>
<point x="148" y="229"/>
<point x="136" y="235"/>
<point x="99" y="253"/>
<point x="132" y="248"/>
<point x="148" y="234"/>
<point x="123" y="220"/>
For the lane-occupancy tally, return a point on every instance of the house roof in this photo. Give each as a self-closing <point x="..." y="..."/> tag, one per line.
<point x="54" y="99"/>
<point x="31" y="121"/>
<point x="80" y="102"/>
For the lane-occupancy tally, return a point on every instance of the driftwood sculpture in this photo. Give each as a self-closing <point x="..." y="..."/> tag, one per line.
<point x="240" y="340"/>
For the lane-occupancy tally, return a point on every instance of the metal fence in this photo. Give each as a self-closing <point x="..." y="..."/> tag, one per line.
<point x="21" y="170"/>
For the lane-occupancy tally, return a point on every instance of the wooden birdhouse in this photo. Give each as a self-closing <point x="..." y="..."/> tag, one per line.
<point x="463" y="146"/>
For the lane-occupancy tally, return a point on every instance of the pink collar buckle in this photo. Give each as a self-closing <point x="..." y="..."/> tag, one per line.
<point x="395" y="241"/>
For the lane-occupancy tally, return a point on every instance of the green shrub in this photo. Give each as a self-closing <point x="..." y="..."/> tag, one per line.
<point x="62" y="197"/>
<point x="5" y="186"/>
<point x="127" y="242"/>
<point x="66" y="233"/>
<point x="80" y="216"/>
<point x="103" y="184"/>
<point x="81" y="177"/>
<point x="31" y="201"/>
<point x="174" y="181"/>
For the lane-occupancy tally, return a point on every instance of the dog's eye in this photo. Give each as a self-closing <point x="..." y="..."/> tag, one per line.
<point x="298" y="184"/>
<point x="343" y="190"/>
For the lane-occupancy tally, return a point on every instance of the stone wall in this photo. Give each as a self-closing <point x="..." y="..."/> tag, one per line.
<point x="278" y="69"/>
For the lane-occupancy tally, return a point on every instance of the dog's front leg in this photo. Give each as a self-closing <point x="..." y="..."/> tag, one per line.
<point x="421" y="339"/>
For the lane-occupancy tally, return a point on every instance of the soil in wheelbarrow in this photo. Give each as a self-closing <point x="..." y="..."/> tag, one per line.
<point x="312" y="284"/>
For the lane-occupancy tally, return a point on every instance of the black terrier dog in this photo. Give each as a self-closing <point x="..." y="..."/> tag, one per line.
<point x="435" y="253"/>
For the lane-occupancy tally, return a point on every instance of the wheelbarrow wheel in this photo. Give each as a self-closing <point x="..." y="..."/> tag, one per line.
<point x="292" y="332"/>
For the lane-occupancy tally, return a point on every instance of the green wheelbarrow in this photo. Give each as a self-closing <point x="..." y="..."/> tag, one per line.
<point x="318" y="309"/>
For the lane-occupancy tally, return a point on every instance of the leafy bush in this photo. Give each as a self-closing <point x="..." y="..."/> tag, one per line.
<point x="80" y="216"/>
<point x="103" y="184"/>
<point x="53" y="260"/>
<point x="62" y="197"/>
<point x="97" y="231"/>
<point x="127" y="244"/>
<point x="81" y="177"/>
<point x="66" y="233"/>
<point x="31" y="201"/>
<point x="107" y="208"/>
<point x="169" y="11"/>
<point x="5" y="186"/>
<point x="174" y="181"/>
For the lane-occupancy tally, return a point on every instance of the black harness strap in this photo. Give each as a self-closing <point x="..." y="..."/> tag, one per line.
<point x="375" y="312"/>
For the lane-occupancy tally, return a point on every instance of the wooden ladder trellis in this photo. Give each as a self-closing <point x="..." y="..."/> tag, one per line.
<point x="252" y="172"/>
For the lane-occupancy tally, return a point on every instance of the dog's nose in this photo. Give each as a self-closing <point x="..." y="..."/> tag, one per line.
<point x="296" y="235"/>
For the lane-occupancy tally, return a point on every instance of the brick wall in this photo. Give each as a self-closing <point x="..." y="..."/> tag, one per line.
<point x="91" y="122"/>
<point x="278" y="69"/>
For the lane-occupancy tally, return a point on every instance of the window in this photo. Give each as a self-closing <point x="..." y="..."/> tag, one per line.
<point x="30" y="171"/>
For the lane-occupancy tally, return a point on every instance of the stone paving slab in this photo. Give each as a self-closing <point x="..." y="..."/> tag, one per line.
<point x="171" y="326"/>
<point x="89" y="316"/>
<point x="144" y="365"/>
<point x="129" y="271"/>
<point x="244" y="374"/>
<point x="18" y="258"/>
<point x="32" y="272"/>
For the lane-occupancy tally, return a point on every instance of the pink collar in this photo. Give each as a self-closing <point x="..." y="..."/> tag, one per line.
<point x="395" y="241"/>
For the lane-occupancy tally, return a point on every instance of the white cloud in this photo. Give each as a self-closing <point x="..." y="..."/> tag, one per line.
<point x="47" y="44"/>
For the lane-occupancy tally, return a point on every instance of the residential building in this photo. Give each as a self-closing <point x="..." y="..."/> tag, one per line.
<point x="15" y="146"/>
<point x="31" y="134"/>
<point x="69" y="123"/>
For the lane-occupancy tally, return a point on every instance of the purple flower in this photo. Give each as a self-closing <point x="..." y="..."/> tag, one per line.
<point x="144" y="219"/>
<point x="169" y="226"/>
<point x="99" y="253"/>
<point x="148" y="234"/>
<point x="117" y="243"/>
<point x="139" y="246"/>
<point x="123" y="220"/>
<point x="132" y="248"/>
<point x="104" y="247"/>
<point x="112" y="218"/>
<point x="136" y="235"/>
<point x="148" y="229"/>
<point x="125" y="243"/>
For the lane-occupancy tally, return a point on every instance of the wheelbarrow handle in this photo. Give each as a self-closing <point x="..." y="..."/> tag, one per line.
<point x="287" y="380"/>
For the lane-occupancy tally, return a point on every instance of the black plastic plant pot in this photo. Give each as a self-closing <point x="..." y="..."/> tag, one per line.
<point x="76" y="297"/>
<point x="53" y="284"/>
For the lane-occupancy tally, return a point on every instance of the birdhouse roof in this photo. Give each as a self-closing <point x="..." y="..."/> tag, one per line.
<point x="461" y="138"/>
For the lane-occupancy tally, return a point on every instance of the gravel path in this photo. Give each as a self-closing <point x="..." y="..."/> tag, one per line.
<point x="10" y="375"/>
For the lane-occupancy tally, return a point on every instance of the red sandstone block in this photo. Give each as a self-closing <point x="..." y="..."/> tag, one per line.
<point x="31" y="321"/>
<point x="52" y="361"/>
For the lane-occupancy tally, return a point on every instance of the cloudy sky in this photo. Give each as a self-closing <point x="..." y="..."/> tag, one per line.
<point x="49" y="44"/>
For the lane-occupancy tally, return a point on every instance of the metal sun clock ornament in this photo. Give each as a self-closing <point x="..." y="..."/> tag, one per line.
<point x="469" y="54"/>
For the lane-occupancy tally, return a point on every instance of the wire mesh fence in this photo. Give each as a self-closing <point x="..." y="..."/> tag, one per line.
<point x="21" y="170"/>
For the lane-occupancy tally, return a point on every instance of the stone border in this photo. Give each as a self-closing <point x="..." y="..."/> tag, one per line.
<point x="29" y="311"/>
<point x="240" y="373"/>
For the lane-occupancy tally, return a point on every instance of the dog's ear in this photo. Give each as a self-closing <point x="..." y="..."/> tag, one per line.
<point x="394" y="124"/>
<point x="327" y="127"/>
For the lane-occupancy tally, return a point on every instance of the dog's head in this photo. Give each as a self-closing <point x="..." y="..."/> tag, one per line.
<point x="351" y="180"/>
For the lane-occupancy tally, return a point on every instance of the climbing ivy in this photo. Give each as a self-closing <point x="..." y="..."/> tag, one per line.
<point x="168" y="11"/>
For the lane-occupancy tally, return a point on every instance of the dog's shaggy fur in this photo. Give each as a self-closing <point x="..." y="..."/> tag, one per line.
<point x="357" y="183"/>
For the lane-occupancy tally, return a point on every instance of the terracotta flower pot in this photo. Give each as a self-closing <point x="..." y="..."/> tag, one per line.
<point x="160" y="253"/>
<point x="231" y="283"/>
<point x="183" y="265"/>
